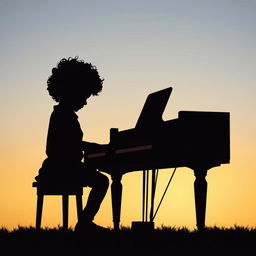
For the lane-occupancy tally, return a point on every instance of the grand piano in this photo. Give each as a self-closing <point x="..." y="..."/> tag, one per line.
<point x="199" y="140"/>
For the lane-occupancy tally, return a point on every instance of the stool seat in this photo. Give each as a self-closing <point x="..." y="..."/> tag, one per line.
<point x="57" y="189"/>
<point x="62" y="189"/>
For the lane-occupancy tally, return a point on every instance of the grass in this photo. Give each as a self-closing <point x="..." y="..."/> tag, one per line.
<point x="162" y="241"/>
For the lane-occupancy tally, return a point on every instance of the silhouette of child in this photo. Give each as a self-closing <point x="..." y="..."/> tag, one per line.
<point x="72" y="82"/>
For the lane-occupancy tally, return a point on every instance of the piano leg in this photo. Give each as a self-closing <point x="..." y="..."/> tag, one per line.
<point x="116" y="194"/>
<point x="200" y="190"/>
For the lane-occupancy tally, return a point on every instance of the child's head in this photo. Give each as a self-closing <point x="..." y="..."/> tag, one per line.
<point x="73" y="79"/>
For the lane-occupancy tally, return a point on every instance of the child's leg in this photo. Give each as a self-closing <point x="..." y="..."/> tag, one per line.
<point x="99" y="184"/>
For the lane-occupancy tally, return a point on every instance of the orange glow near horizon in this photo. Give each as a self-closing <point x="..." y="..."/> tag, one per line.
<point x="230" y="198"/>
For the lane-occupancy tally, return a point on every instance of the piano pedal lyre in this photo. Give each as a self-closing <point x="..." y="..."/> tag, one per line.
<point x="143" y="226"/>
<point x="147" y="223"/>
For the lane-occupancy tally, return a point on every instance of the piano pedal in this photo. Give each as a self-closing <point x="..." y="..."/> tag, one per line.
<point x="142" y="226"/>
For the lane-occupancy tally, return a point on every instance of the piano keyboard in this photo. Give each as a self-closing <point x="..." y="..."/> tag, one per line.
<point x="121" y="151"/>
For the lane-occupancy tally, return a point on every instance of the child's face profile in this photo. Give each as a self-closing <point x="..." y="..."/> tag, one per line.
<point x="80" y="102"/>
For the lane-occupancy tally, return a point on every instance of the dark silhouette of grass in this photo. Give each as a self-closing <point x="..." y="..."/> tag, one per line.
<point x="176" y="241"/>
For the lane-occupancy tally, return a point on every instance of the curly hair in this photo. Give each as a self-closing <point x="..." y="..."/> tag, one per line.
<point x="73" y="76"/>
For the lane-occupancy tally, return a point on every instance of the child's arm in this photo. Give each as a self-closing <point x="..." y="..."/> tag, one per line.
<point x="94" y="147"/>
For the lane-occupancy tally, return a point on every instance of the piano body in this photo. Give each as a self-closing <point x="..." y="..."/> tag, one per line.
<point x="198" y="140"/>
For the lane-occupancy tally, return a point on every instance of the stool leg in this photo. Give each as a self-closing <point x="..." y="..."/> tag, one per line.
<point x="79" y="206"/>
<point x="39" y="209"/>
<point x="65" y="211"/>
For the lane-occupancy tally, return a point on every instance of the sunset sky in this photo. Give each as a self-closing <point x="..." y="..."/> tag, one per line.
<point x="204" y="49"/>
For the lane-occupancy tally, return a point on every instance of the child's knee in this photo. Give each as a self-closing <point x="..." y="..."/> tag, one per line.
<point x="104" y="181"/>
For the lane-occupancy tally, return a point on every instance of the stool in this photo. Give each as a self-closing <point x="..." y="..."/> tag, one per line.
<point x="58" y="189"/>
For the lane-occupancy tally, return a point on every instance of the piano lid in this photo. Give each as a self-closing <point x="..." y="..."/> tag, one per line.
<point x="153" y="108"/>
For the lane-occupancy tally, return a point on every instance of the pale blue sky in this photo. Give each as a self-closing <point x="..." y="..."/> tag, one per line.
<point x="204" y="49"/>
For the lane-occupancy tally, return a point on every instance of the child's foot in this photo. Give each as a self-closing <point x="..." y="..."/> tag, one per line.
<point x="89" y="227"/>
